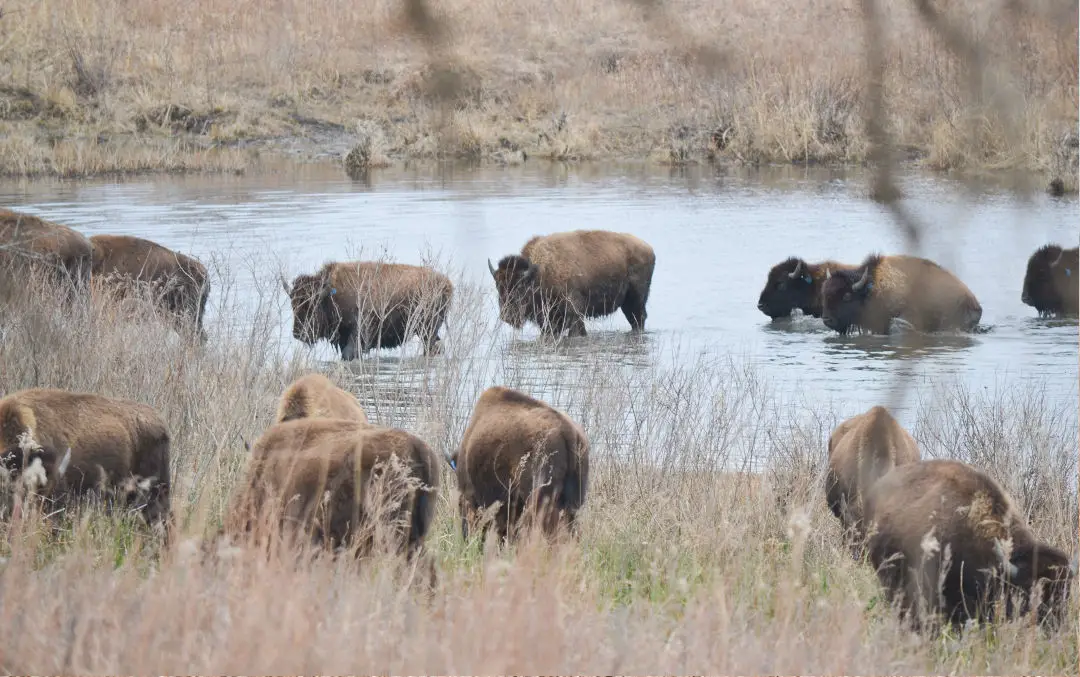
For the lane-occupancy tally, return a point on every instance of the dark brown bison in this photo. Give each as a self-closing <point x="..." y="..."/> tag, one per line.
<point x="362" y="305"/>
<point x="794" y="283"/>
<point x="913" y="289"/>
<point x="525" y="455"/>
<point x="81" y="443"/>
<point x="861" y="450"/>
<point x="1050" y="284"/>
<point x="31" y="244"/>
<point x="563" y="278"/>
<point x="179" y="283"/>
<point x="338" y="483"/>
<point x="947" y="540"/>
<point x="315" y="396"/>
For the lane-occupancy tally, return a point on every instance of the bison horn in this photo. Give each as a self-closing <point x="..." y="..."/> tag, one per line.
<point x="798" y="270"/>
<point x="862" y="281"/>
<point x="284" y="284"/>
<point x="828" y="273"/>
<point x="64" y="462"/>
<point x="491" y="268"/>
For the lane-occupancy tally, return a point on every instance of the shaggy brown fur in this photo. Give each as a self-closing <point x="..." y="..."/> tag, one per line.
<point x="30" y="243"/>
<point x="915" y="290"/>
<point x="921" y="512"/>
<point x="304" y="476"/>
<point x="180" y="283"/>
<point x="527" y="456"/>
<point x="1050" y="284"/>
<point x="794" y="283"/>
<point x="315" y="396"/>
<point x="115" y="444"/>
<point x="861" y="450"/>
<point x="362" y="305"/>
<point x="563" y="278"/>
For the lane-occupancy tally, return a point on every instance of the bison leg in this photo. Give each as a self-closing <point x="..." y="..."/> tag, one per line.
<point x="348" y="343"/>
<point x="633" y="308"/>
<point x="577" y="326"/>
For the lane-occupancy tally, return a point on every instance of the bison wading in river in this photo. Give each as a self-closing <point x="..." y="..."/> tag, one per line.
<point x="362" y="305"/>
<point x="315" y="396"/>
<point x="944" y="523"/>
<point x="794" y="283"/>
<point x="31" y="245"/>
<point x="913" y="289"/>
<point x="525" y="455"/>
<point x="1051" y="281"/>
<point x="559" y="280"/>
<point x="180" y="284"/>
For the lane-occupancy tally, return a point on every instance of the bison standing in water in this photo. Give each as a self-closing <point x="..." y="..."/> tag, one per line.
<point x="794" y="283"/>
<point x="29" y="244"/>
<point x="1051" y="281"/>
<point x="948" y="539"/>
<point x="559" y="280"/>
<point x="180" y="284"/>
<point x="363" y="305"/>
<point x="315" y="396"/>
<point x="525" y="455"/>
<point x="913" y="289"/>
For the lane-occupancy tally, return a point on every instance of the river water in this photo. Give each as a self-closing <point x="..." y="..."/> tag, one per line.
<point x="715" y="235"/>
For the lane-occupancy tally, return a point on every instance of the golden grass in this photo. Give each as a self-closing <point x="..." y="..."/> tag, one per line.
<point x="690" y="81"/>
<point x="684" y="564"/>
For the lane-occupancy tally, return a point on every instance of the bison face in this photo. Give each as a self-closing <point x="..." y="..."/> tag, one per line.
<point x="516" y="282"/>
<point x="843" y="298"/>
<point x="1043" y="575"/>
<point x="788" y="287"/>
<point x="1039" y="289"/>
<point x="39" y="469"/>
<point x="311" y="306"/>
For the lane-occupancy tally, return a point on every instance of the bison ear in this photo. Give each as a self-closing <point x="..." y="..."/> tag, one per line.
<point x="491" y="268"/>
<point x="531" y="273"/>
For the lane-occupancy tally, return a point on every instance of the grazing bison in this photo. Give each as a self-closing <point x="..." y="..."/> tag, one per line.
<point x="527" y="456"/>
<point x="180" y="283"/>
<point x="1050" y="284"/>
<point x="560" y="279"/>
<point x="315" y="396"/>
<point x="861" y="450"/>
<point x="29" y="243"/>
<point x="337" y="481"/>
<point x="943" y="523"/>
<point x="916" y="290"/>
<point x="110" y="445"/>
<point x="794" y="283"/>
<point x="362" y="305"/>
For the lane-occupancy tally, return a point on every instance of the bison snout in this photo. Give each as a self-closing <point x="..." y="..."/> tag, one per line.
<point x="1025" y="298"/>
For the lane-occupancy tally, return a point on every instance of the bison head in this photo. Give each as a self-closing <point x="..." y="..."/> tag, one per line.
<point x="516" y="280"/>
<point x="38" y="468"/>
<point x="789" y="286"/>
<point x="843" y="297"/>
<point x="1041" y="575"/>
<point x="314" y="312"/>
<point x="1039" y="289"/>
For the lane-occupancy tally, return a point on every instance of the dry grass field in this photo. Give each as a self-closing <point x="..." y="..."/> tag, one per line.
<point x="100" y="86"/>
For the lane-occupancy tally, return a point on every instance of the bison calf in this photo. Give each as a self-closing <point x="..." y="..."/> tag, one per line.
<point x="563" y="278"/>
<point x="1050" y="284"/>
<point x="794" y="283"/>
<point x="915" y="290"/>
<point x="112" y="446"/>
<point x="29" y="244"/>
<point x="363" y="305"/>
<point x="948" y="540"/>
<point x="525" y="455"/>
<point x="315" y="396"/>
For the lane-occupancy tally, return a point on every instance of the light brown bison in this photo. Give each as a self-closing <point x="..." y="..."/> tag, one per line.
<point x="362" y="305"/>
<point x="563" y="278"/>
<point x="948" y="541"/>
<point x="1050" y="284"/>
<point x="338" y="483"/>
<point x="913" y="289"/>
<point x="861" y="450"/>
<point x="795" y="284"/>
<point x="180" y="284"/>
<point x="82" y="443"/>
<point x="315" y="396"/>
<point x="527" y="456"/>
<point x="29" y="243"/>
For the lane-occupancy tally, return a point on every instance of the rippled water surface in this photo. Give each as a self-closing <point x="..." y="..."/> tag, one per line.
<point x="715" y="237"/>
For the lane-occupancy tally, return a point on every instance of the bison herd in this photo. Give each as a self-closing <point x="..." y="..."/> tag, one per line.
<point x="942" y="536"/>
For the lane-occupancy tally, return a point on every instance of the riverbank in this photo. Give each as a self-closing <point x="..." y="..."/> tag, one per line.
<point x="127" y="87"/>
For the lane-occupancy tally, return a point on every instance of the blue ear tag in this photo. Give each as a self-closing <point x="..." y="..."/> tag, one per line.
<point x="453" y="464"/>
<point x="807" y="279"/>
<point x="1068" y="272"/>
<point x="333" y="291"/>
<point x="869" y="286"/>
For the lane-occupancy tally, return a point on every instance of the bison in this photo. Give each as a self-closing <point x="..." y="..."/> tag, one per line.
<point x="794" y="283"/>
<point x="29" y="243"/>
<point x="913" y="289"/>
<point x="558" y="280"/>
<point x="1050" y="284"/>
<point x="180" y="283"/>
<point x="315" y="396"/>
<point x="111" y="445"/>
<point x="525" y="455"/>
<point x="861" y="450"/>
<point x="362" y="305"/>
<point x="335" y="481"/>
<point x="948" y="541"/>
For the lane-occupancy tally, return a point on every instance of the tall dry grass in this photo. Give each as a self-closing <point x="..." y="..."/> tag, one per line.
<point x="111" y="85"/>
<point x="684" y="563"/>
